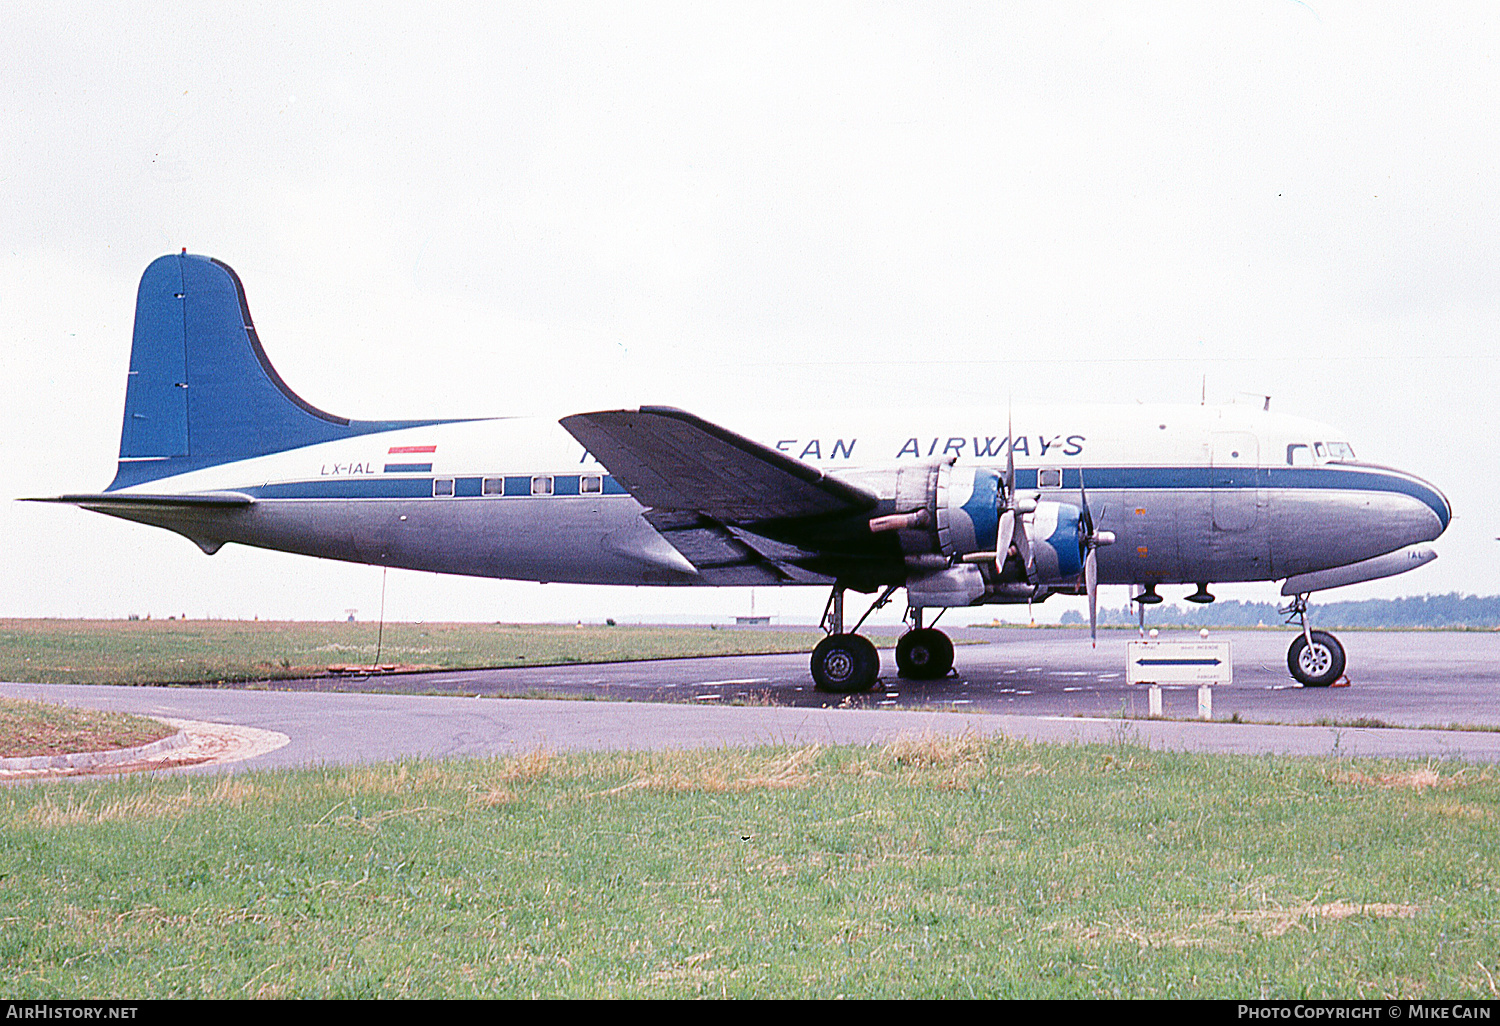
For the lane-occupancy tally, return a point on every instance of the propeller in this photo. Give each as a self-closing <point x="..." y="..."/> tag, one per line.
<point x="1010" y="528"/>
<point x="1092" y="539"/>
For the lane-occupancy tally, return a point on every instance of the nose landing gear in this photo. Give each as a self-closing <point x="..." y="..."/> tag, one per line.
<point x="1315" y="658"/>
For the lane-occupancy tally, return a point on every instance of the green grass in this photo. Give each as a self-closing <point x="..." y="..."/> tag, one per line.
<point x="927" y="868"/>
<point x="39" y="728"/>
<point x="181" y="651"/>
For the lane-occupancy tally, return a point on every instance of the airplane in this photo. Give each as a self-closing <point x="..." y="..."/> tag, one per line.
<point x="954" y="507"/>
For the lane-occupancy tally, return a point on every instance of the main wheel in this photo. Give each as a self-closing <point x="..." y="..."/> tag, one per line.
<point x="1319" y="664"/>
<point x="845" y="663"/>
<point x="924" y="654"/>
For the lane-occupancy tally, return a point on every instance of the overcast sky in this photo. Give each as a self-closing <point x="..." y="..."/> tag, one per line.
<point x="447" y="210"/>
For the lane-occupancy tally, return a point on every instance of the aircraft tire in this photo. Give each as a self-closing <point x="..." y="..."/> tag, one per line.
<point x="924" y="654"/>
<point x="845" y="663"/>
<point x="1317" y="665"/>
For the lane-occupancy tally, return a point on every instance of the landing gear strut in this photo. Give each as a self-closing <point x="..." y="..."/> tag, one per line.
<point x="1315" y="658"/>
<point x="923" y="653"/>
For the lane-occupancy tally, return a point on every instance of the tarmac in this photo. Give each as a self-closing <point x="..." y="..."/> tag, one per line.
<point x="1047" y="686"/>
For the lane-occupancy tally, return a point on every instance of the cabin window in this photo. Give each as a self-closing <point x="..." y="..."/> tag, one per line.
<point x="1049" y="478"/>
<point x="590" y="485"/>
<point x="1298" y="455"/>
<point x="442" y="486"/>
<point x="494" y="486"/>
<point x="541" y="485"/>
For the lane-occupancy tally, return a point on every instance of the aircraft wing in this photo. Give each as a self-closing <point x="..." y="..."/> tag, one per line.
<point x="668" y="459"/>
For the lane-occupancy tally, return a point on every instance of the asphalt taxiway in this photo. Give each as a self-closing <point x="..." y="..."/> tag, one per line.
<point x="1047" y="685"/>
<point x="1417" y="679"/>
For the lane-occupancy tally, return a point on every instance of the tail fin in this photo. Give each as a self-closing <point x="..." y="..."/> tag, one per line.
<point x="201" y="390"/>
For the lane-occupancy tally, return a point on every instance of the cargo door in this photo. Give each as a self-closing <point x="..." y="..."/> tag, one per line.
<point x="1235" y="480"/>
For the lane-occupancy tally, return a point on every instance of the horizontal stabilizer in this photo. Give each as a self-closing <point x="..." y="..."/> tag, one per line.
<point x="671" y="460"/>
<point x="117" y="500"/>
<point x="205" y="518"/>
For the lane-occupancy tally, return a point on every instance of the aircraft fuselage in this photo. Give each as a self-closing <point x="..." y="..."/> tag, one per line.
<point x="1191" y="493"/>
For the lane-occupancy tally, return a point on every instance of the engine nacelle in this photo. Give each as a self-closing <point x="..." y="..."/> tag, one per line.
<point x="1058" y="542"/>
<point x="942" y="513"/>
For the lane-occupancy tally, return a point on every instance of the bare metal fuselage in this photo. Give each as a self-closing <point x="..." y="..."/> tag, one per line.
<point x="1191" y="494"/>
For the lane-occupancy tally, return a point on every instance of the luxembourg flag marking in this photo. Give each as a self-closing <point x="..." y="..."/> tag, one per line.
<point x="409" y="450"/>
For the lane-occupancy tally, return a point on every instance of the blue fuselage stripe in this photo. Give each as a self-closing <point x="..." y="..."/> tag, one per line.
<point x="1100" y="479"/>
<point x="411" y="488"/>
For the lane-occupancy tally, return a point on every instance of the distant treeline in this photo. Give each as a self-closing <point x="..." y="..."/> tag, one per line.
<point x="1451" y="610"/>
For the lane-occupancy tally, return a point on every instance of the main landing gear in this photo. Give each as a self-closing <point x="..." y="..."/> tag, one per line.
<point x="1315" y="658"/>
<point x="845" y="663"/>
<point x="923" y="653"/>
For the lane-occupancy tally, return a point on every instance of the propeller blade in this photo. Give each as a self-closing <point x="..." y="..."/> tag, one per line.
<point x="1010" y="459"/>
<point x="1091" y="585"/>
<point x="1023" y="545"/>
<point x="1088" y="516"/>
<point x="1006" y="531"/>
<point x="1012" y="524"/>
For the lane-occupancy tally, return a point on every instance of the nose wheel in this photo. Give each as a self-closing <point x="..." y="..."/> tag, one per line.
<point x="1315" y="658"/>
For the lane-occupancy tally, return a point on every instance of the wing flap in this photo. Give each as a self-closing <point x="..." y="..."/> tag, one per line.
<point x="726" y="556"/>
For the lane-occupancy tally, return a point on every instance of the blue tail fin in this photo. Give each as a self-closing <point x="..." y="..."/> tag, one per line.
<point x="201" y="390"/>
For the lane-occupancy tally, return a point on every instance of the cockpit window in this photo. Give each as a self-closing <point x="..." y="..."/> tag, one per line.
<point x="1333" y="450"/>
<point x="1301" y="454"/>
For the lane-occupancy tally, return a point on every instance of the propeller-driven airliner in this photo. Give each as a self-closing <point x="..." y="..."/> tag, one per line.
<point x="955" y="507"/>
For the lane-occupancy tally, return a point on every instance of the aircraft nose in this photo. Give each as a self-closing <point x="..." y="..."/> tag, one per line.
<point x="1437" y="505"/>
<point x="1447" y="513"/>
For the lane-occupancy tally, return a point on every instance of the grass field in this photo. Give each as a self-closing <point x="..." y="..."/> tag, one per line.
<point x="39" y="728"/>
<point x="178" y="651"/>
<point x="927" y="868"/>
